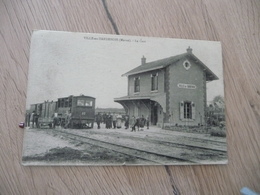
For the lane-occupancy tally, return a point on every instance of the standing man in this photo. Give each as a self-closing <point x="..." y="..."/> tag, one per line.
<point x="68" y="118"/>
<point x="98" y="120"/>
<point x="55" y="120"/>
<point x="137" y="123"/>
<point x="32" y="119"/>
<point x="126" y="122"/>
<point x="114" y="120"/>
<point x="109" y="121"/>
<point x="118" y="121"/>
<point x="147" y="121"/>
<point x="27" y="119"/>
<point x="105" y="118"/>
<point x="133" y="121"/>
<point x="36" y="117"/>
<point x="142" y="122"/>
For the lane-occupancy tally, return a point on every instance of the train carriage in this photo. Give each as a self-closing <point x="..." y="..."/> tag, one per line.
<point x="68" y="112"/>
<point x="76" y="111"/>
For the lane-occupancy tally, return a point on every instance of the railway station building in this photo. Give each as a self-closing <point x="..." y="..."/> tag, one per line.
<point x="171" y="91"/>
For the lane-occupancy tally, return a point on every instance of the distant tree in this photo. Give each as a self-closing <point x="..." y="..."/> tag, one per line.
<point x="218" y="98"/>
<point x="218" y="102"/>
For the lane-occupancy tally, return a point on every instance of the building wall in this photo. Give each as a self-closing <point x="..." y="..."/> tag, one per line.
<point x="145" y="83"/>
<point x="168" y="80"/>
<point x="138" y="109"/>
<point x="167" y="117"/>
<point x="193" y="76"/>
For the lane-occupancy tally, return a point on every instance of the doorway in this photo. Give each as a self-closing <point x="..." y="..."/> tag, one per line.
<point x="154" y="113"/>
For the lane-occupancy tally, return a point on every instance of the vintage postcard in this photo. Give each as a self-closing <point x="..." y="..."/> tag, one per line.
<point x="101" y="99"/>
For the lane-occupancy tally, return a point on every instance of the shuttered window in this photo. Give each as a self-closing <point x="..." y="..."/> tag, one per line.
<point x="181" y="110"/>
<point x="193" y="111"/>
<point x="187" y="110"/>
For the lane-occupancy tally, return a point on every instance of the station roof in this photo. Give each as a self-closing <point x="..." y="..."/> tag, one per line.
<point x="162" y="63"/>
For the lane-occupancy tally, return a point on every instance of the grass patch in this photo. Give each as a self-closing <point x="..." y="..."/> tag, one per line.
<point x="218" y="132"/>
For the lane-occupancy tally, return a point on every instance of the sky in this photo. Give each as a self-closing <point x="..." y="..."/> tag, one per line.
<point x="65" y="63"/>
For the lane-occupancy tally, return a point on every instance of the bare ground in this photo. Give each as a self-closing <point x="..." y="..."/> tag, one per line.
<point x="46" y="146"/>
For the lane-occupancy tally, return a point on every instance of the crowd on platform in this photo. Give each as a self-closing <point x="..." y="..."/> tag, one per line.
<point x="116" y="121"/>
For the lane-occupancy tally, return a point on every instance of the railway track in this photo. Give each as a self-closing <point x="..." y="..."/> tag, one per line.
<point x="190" y="137"/>
<point x="218" y="147"/>
<point x="153" y="157"/>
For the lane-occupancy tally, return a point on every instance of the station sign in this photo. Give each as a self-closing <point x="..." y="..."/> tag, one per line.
<point x="186" y="86"/>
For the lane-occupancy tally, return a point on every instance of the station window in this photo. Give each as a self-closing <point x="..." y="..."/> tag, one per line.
<point x="154" y="82"/>
<point x="137" y="84"/>
<point x="187" y="110"/>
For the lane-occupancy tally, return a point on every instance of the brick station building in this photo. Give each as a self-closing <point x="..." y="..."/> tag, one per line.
<point x="171" y="91"/>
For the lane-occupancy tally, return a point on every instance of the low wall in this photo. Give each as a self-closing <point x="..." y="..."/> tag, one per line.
<point x="190" y="129"/>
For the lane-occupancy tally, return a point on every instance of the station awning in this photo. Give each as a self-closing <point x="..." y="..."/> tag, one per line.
<point x="128" y="98"/>
<point x="161" y="99"/>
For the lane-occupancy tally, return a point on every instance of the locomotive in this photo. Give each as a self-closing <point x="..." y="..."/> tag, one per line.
<point x="67" y="112"/>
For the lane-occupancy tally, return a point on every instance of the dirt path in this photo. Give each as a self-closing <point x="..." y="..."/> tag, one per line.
<point x="104" y="147"/>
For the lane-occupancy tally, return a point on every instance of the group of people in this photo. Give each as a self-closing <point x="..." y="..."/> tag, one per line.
<point x="116" y="121"/>
<point x="139" y="123"/>
<point x="110" y="120"/>
<point x="31" y="119"/>
<point x="57" y="121"/>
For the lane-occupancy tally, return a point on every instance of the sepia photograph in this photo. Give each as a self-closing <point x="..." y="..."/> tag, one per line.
<point x="113" y="100"/>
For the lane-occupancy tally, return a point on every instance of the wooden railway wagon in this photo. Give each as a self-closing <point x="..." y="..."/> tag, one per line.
<point x="68" y="112"/>
<point x="46" y="112"/>
<point x="43" y="113"/>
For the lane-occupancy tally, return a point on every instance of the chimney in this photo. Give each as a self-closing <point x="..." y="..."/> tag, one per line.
<point x="143" y="60"/>
<point x="189" y="50"/>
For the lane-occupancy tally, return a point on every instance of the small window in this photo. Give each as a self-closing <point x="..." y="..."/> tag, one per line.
<point x="186" y="64"/>
<point x="62" y="103"/>
<point x="88" y="103"/>
<point x="154" y="82"/>
<point x="66" y="102"/>
<point x="137" y="84"/>
<point x="80" y="103"/>
<point x="70" y="102"/>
